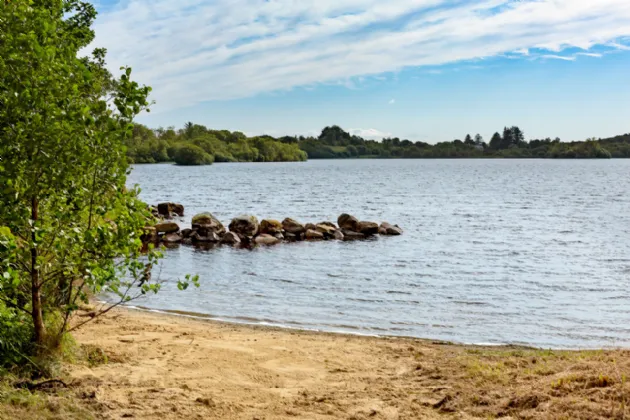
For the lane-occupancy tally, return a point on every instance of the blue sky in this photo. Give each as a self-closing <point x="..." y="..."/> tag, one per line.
<point x="429" y="70"/>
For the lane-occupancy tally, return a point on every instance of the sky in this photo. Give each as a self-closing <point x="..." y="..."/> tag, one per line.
<point x="424" y="70"/>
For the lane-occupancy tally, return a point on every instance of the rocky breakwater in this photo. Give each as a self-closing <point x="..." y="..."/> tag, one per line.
<point x="246" y="231"/>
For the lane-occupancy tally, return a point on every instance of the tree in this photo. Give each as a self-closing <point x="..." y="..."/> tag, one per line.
<point x="478" y="139"/>
<point x="63" y="124"/>
<point x="468" y="140"/>
<point x="190" y="155"/>
<point x="495" y="142"/>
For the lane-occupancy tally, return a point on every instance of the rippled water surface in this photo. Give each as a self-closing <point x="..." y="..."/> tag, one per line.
<point x="532" y="252"/>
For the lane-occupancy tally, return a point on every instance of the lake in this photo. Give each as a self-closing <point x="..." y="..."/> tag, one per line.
<point x="533" y="252"/>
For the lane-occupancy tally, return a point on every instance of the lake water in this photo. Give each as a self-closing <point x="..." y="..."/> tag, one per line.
<point x="533" y="252"/>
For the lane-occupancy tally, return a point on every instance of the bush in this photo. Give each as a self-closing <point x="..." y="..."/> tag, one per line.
<point x="189" y="154"/>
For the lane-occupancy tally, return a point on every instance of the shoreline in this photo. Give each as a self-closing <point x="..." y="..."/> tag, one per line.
<point x="147" y="365"/>
<point x="279" y="326"/>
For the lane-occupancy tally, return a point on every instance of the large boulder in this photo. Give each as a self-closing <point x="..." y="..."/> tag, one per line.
<point x="339" y="235"/>
<point x="245" y="225"/>
<point x="292" y="226"/>
<point x="367" y="228"/>
<point x="271" y="227"/>
<point x="351" y="235"/>
<point x="313" y="235"/>
<point x="206" y="223"/>
<point x="167" y="227"/>
<point x="266" y="239"/>
<point x="348" y="222"/>
<point x="389" y="229"/>
<point x="231" y="238"/>
<point x="168" y="209"/>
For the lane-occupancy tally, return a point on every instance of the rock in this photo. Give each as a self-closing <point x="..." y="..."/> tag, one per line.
<point x="186" y="233"/>
<point x="331" y="224"/>
<point x="292" y="226"/>
<point x="187" y="241"/>
<point x="313" y="235"/>
<point x="167" y="209"/>
<point x="368" y="228"/>
<point x="231" y="238"/>
<point x="291" y="237"/>
<point x="172" y="238"/>
<point x="211" y="237"/>
<point x="279" y="236"/>
<point x="310" y="226"/>
<point x="246" y="225"/>
<point x="348" y="222"/>
<point x="328" y="231"/>
<point x="265" y="239"/>
<point x="271" y="227"/>
<point x="205" y="223"/>
<point x="350" y="235"/>
<point x="167" y="227"/>
<point x="339" y="235"/>
<point x="388" y="229"/>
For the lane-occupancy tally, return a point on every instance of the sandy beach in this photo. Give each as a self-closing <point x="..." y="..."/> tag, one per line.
<point x="170" y="367"/>
<point x="146" y="365"/>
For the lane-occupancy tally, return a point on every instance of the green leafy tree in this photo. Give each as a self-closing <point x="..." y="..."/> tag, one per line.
<point x="63" y="124"/>
<point x="189" y="155"/>
<point x="469" y="141"/>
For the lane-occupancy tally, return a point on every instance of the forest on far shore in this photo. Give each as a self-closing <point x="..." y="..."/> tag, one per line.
<point x="196" y="144"/>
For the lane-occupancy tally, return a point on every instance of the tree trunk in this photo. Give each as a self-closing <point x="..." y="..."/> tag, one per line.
<point x="36" y="298"/>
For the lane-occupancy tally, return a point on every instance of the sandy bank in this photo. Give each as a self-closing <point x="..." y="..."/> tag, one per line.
<point x="169" y="367"/>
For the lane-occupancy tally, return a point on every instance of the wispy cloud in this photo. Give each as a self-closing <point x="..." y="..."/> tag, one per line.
<point x="558" y="57"/>
<point x="392" y="101"/>
<point x="192" y="51"/>
<point x="369" y="133"/>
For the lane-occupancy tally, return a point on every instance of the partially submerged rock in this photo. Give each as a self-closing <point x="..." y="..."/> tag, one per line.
<point x="167" y="210"/>
<point x="271" y="227"/>
<point x="206" y="223"/>
<point x="388" y="229"/>
<point x="350" y="235"/>
<point x="266" y="239"/>
<point x="367" y="228"/>
<point x="167" y="227"/>
<point x="231" y="238"/>
<point x="245" y="225"/>
<point x="313" y="235"/>
<point x="172" y="238"/>
<point x="348" y="222"/>
<point x="292" y="226"/>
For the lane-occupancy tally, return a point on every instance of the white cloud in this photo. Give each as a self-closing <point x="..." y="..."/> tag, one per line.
<point x="369" y="133"/>
<point x="558" y="57"/>
<point x="191" y="51"/>
<point x="392" y="101"/>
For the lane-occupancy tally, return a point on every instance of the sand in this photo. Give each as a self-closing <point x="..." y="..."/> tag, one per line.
<point x="144" y="365"/>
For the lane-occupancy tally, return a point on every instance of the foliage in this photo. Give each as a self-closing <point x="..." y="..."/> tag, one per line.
<point x="190" y="154"/>
<point x="197" y="145"/>
<point x="69" y="227"/>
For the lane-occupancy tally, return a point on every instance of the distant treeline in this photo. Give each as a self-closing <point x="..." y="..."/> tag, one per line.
<point x="195" y="144"/>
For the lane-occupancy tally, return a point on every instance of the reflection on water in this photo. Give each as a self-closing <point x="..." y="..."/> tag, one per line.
<point x="496" y="251"/>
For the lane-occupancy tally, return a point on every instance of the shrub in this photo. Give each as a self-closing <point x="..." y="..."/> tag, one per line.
<point x="189" y="154"/>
